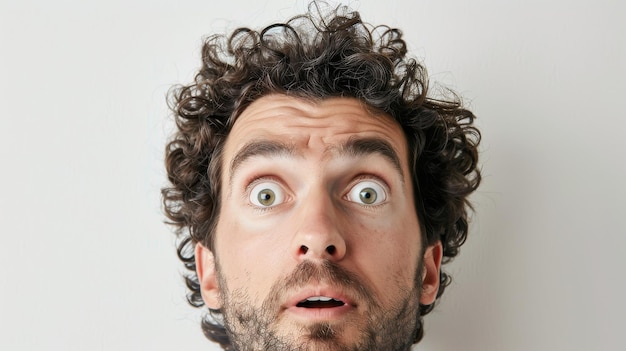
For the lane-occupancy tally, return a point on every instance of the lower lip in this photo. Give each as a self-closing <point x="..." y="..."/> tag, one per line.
<point x="320" y="314"/>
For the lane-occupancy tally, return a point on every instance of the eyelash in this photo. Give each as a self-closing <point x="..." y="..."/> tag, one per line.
<point x="253" y="182"/>
<point x="256" y="179"/>
<point x="373" y="178"/>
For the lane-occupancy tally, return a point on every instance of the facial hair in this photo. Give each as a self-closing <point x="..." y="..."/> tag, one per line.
<point x="253" y="328"/>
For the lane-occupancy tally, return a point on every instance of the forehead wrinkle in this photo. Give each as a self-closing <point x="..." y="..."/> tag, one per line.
<point x="264" y="148"/>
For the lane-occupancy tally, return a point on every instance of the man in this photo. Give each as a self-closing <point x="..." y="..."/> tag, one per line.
<point x="316" y="187"/>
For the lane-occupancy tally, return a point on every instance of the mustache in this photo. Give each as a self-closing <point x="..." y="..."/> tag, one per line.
<point x="308" y="272"/>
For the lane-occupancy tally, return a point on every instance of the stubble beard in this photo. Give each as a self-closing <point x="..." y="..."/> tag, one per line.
<point x="252" y="328"/>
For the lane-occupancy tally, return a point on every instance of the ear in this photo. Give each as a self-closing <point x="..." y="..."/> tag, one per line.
<point x="430" y="275"/>
<point x="207" y="276"/>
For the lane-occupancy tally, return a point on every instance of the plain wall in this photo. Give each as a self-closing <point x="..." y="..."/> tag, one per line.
<point x="87" y="264"/>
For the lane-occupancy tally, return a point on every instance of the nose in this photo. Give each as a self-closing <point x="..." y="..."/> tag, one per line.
<point x="319" y="234"/>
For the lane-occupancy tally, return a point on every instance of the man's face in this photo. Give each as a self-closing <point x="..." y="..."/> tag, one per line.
<point x="318" y="244"/>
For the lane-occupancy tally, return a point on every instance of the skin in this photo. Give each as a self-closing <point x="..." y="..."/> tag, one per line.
<point x="317" y="218"/>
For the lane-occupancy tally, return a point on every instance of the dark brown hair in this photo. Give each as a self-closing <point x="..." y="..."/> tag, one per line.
<point x="314" y="56"/>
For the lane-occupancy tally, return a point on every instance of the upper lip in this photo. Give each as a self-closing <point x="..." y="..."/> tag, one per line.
<point x="320" y="291"/>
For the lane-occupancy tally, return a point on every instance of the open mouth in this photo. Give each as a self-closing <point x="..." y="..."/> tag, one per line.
<point x="320" y="302"/>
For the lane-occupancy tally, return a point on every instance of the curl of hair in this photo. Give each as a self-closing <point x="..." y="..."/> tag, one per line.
<point x="313" y="56"/>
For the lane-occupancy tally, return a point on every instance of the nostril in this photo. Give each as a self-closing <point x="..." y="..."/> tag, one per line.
<point x="304" y="249"/>
<point x="331" y="249"/>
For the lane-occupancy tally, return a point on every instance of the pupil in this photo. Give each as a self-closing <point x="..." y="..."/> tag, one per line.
<point x="368" y="195"/>
<point x="266" y="197"/>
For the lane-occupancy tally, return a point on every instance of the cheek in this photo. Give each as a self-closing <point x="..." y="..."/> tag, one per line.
<point x="249" y="254"/>
<point x="388" y="253"/>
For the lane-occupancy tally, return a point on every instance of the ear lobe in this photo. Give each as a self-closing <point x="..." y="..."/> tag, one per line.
<point x="430" y="275"/>
<point x="207" y="276"/>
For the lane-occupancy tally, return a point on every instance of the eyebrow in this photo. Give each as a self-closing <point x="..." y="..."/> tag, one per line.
<point x="353" y="147"/>
<point x="356" y="147"/>
<point x="263" y="148"/>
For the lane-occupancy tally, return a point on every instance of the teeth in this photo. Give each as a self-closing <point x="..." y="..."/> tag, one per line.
<point x="319" y="298"/>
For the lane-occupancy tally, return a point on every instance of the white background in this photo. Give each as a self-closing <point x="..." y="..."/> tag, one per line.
<point x="86" y="263"/>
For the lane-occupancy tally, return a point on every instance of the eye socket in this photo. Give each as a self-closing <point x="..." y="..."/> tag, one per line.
<point x="367" y="193"/>
<point x="267" y="194"/>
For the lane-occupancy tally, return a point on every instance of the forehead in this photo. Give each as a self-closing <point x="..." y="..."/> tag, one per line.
<point x="312" y="125"/>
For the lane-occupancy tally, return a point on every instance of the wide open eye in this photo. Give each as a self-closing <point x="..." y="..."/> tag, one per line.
<point x="267" y="194"/>
<point x="367" y="193"/>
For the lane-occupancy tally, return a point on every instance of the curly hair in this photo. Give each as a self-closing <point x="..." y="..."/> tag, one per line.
<point x="315" y="56"/>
